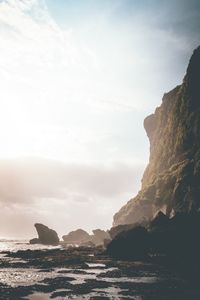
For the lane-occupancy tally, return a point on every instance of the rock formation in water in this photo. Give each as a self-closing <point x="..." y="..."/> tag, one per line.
<point x="171" y="179"/>
<point x="76" y="237"/>
<point x="81" y="238"/>
<point x="46" y="236"/>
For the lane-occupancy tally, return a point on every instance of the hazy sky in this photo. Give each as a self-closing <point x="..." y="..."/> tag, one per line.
<point x="77" y="79"/>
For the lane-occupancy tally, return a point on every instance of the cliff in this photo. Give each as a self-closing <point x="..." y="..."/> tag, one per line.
<point x="171" y="179"/>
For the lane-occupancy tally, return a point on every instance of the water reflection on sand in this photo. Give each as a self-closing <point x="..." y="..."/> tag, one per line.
<point x="60" y="274"/>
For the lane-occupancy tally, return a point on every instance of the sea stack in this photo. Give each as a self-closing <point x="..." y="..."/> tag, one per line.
<point x="46" y="235"/>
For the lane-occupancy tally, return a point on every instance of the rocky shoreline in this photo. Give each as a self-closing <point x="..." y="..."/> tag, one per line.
<point x="87" y="273"/>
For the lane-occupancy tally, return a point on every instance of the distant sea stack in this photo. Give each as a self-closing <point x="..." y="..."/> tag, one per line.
<point x="46" y="235"/>
<point x="81" y="238"/>
<point x="171" y="181"/>
<point x="77" y="237"/>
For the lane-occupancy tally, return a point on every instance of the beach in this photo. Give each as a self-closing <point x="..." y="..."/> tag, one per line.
<point x="38" y="272"/>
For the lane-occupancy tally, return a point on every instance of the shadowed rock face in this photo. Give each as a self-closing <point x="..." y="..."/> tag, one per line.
<point x="46" y="236"/>
<point x="114" y="231"/>
<point x="159" y="221"/>
<point x="130" y="244"/>
<point x="173" y="240"/>
<point x="171" y="179"/>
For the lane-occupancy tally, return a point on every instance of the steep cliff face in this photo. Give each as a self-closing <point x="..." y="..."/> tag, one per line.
<point x="171" y="180"/>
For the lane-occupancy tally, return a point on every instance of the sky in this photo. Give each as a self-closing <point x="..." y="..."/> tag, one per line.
<point x="77" y="78"/>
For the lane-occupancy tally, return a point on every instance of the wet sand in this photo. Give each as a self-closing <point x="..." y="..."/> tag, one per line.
<point x="86" y="273"/>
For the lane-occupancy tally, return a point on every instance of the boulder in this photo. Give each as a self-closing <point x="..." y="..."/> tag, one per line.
<point x="177" y="238"/>
<point x="115" y="230"/>
<point x="131" y="244"/>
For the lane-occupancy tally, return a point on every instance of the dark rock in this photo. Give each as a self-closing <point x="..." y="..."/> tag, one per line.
<point x="178" y="239"/>
<point x="130" y="244"/>
<point x="35" y="241"/>
<point x="175" y="240"/>
<point x="171" y="179"/>
<point x="59" y="294"/>
<point x="46" y="236"/>
<point x="114" y="231"/>
<point x="159" y="221"/>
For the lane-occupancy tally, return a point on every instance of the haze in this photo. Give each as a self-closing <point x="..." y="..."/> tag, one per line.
<point x="77" y="80"/>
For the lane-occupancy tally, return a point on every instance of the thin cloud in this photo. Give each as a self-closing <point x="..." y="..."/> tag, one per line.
<point x="27" y="179"/>
<point x="61" y="195"/>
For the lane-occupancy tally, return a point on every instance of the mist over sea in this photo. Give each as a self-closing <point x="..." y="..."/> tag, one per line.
<point x="14" y="245"/>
